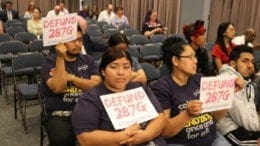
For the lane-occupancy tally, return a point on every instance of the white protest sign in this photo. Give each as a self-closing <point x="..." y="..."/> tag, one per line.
<point x="216" y="93"/>
<point x="59" y="29"/>
<point x="128" y="107"/>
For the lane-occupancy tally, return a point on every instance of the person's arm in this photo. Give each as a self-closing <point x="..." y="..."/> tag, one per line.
<point x="153" y="129"/>
<point x="150" y="33"/>
<point x="217" y="62"/>
<point x="175" y="124"/>
<point x="126" y="20"/>
<point x="219" y="114"/>
<point x="85" y="84"/>
<point x="102" y="137"/>
<point x="139" y="76"/>
<point x="30" y="27"/>
<point x="58" y="82"/>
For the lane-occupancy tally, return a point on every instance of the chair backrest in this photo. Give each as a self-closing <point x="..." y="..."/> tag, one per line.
<point x="123" y="27"/>
<point x="151" y="50"/>
<point x="13" y="30"/>
<point x="8" y="23"/>
<point x="93" y="27"/>
<point x="151" y="71"/>
<point x="25" y="37"/>
<point x="13" y="47"/>
<point x="101" y="23"/>
<point x="109" y="32"/>
<point x="139" y="39"/>
<point x="163" y="70"/>
<point x="5" y="37"/>
<point x="108" y="26"/>
<point x="133" y="51"/>
<point x="27" y="60"/>
<point x="129" y="32"/>
<point x="95" y="33"/>
<point x="158" y="38"/>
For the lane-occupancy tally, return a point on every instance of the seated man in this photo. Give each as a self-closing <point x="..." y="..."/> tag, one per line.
<point x="65" y="75"/>
<point x="241" y="125"/>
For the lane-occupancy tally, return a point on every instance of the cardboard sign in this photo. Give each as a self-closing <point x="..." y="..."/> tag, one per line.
<point x="59" y="29"/>
<point x="217" y="93"/>
<point x="128" y="107"/>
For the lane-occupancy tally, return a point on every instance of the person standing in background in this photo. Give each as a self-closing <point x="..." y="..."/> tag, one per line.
<point x="62" y="8"/>
<point x="246" y="39"/>
<point x="8" y="13"/>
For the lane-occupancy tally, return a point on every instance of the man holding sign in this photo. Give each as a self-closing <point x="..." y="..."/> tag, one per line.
<point x="178" y="93"/>
<point x="118" y="112"/>
<point x="65" y="75"/>
<point x="241" y="125"/>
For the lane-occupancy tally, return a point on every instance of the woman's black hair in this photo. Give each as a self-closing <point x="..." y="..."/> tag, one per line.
<point x="173" y="46"/>
<point x="222" y="28"/>
<point x="110" y="55"/>
<point x="116" y="39"/>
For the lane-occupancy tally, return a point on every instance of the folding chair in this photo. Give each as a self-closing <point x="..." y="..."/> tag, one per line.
<point x="151" y="52"/>
<point x="25" y="91"/>
<point x="93" y="27"/>
<point x="25" y="37"/>
<point x="8" y="50"/>
<point x="37" y="46"/>
<point x="139" y="39"/>
<point x="95" y="33"/>
<point x="151" y="72"/>
<point x="108" y="26"/>
<point x="5" y="37"/>
<point x="134" y="51"/>
<point x="13" y="30"/>
<point x="163" y="70"/>
<point x="158" y="38"/>
<point x="130" y="31"/>
<point x="109" y="32"/>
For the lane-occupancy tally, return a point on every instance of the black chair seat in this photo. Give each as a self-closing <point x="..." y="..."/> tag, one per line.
<point x="28" y="91"/>
<point x="7" y="71"/>
<point x="151" y="58"/>
<point x="5" y="57"/>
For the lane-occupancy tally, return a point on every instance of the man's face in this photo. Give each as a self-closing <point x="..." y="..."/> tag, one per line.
<point x="110" y="8"/>
<point x="74" y="47"/>
<point x="245" y="64"/>
<point x="8" y="6"/>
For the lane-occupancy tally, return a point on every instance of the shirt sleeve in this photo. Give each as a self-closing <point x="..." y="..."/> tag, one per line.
<point x="47" y="65"/>
<point x="162" y="92"/>
<point x="86" y="114"/>
<point x="216" y="51"/>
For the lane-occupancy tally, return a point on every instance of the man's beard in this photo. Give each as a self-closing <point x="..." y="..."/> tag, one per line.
<point x="71" y="55"/>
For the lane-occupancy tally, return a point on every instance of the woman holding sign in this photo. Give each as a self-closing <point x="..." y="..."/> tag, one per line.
<point x="109" y="113"/>
<point x="178" y="93"/>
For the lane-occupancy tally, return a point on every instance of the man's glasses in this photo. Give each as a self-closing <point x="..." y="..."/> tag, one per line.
<point x="80" y="40"/>
<point x="191" y="57"/>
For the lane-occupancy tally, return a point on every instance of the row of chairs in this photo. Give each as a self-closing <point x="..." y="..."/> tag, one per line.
<point x="23" y="36"/>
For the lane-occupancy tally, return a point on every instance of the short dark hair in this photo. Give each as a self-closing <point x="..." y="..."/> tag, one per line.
<point x="38" y="9"/>
<point x="238" y="50"/>
<point x="116" y="39"/>
<point x="110" y="55"/>
<point x="8" y="2"/>
<point x="118" y="8"/>
<point x="173" y="46"/>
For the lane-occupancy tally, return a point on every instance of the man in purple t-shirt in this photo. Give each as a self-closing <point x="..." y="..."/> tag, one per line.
<point x="65" y="75"/>
<point x="178" y="93"/>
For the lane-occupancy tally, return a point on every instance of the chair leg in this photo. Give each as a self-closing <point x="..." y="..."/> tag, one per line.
<point x="5" y="91"/>
<point x="23" y="114"/>
<point x="15" y="104"/>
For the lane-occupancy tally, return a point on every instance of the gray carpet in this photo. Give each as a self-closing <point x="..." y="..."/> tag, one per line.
<point x="11" y="131"/>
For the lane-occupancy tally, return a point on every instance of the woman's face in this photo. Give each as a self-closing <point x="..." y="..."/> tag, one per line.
<point x="153" y="16"/>
<point x="187" y="61"/>
<point x="117" y="74"/>
<point x="230" y="32"/>
<point x="36" y="14"/>
<point x="120" y="13"/>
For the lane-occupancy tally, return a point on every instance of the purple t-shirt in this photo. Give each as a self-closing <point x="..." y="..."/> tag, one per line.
<point x="89" y="113"/>
<point x="198" y="131"/>
<point x="84" y="66"/>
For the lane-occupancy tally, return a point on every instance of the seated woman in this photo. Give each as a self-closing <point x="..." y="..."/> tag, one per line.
<point x="178" y="93"/>
<point x="152" y="25"/>
<point x="29" y="13"/>
<point x="35" y="24"/>
<point x="90" y="120"/>
<point x="223" y="46"/>
<point x="119" y="18"/>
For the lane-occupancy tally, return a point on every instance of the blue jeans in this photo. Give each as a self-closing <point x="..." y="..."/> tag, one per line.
<point x="219" y="141"/>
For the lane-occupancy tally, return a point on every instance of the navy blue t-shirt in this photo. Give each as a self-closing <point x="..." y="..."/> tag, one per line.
<point x="201" y="129"/>
<point x="84" y="66"/>
<point x="89" y="113"/>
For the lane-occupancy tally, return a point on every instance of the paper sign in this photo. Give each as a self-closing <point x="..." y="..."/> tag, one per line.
<point x="216" y="93"/>
<point x="59" y="29"/>
<point x="128" y="107"/>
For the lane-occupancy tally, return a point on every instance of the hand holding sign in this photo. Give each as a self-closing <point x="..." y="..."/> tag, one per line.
<point x="216" y="93"/>
<point x="128" y="107"/>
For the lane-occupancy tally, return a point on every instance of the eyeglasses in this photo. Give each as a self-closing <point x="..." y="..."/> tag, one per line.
<point x="80" y="40"/>
<point x="191" y="57"/>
